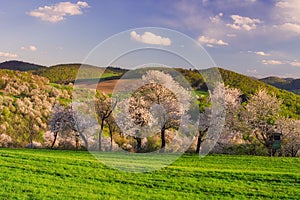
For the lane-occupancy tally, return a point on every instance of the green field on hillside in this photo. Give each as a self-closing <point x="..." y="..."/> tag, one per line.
<point x="55" y="174"/>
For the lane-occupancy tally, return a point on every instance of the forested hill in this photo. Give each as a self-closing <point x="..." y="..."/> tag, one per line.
<point x="20" y="66"/>
<point x="67" y="73"/>
<point x="248" y="86"/>
<point x="289" y="84"/>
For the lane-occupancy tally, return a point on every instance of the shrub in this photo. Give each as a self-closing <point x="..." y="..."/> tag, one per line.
<point x="5" y="140"/>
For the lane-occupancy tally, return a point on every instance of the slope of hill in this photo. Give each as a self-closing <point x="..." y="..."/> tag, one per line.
<point x="276" y="81"/>
<point x="289" y="84"/>
<point x="26" y="101"/>
<point x="291" y="101"/>
<point x="248" y="86"/>
<point x="67" y="73"/>
<point x="20" y="66"/>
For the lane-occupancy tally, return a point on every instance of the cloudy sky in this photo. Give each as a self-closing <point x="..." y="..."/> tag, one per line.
<point x="254" y="37"/>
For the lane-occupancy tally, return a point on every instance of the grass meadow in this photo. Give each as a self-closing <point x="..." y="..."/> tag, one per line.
<point x="57" y="174"/>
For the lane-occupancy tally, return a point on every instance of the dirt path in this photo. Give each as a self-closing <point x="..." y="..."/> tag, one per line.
<point x="105" y="86"/>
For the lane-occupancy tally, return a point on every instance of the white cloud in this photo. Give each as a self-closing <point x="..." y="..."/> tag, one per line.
<point x="231" y="35"/>
<point x="211" y="41"/>
<point x="283" y="4"/>
<point x="288" y="10"/>
<point x="150" y="38"/>
<point x="29" y="48"/>
<point x="290" y="27"/>
<point x="295" y="64"/>
<point x="272" y="62"/>
<point x="83" y="4"/>
<point x="32" y="48"/>
<point x="287" y="14"/>
<point x="243" y="23"/>
<point x="8" y="55"/>
<point x="59" y="11"/>
<point x="217" y="18"/>
<point x="261" y="53"/>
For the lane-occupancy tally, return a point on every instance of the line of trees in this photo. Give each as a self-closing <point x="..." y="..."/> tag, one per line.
<point x="249" y="123"/>
<point x="155" y="114"/>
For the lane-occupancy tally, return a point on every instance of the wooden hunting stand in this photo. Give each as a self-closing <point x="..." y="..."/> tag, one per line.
<point x="274" y="144"/>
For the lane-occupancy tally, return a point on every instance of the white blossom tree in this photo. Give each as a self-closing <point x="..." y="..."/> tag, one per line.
<point x="204" y="123"/>
<point x="59" y="119"/>
<point x="260" y="115"/>
<point x="229" y="99"/>
<point x="157" y="105"/>
<point x="290" y="130"/>
<point x="72" y="118"/>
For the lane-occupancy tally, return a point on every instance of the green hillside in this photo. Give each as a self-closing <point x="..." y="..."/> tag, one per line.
<point x="26" y="101"/>
<point x="275" y="81"/>
<point x="20" y="66"/>
<point x="67" y="73"/>
<point x="248" y="86"/>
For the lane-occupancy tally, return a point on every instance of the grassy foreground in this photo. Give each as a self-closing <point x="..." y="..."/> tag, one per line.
<point x="45" y="174"/>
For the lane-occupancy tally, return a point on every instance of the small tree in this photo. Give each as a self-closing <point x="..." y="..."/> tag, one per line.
<point x="260" y="115"/>
<point x="204" y="122"/>
<point x="58" y="121"/>
<point x="80" y="122"/>
<point x="71" y="118"/>
<point x="232" y="107"/>
<point x="104" y="107"/>
<point x="290" y="140"/>
<point x="112" y="127"/>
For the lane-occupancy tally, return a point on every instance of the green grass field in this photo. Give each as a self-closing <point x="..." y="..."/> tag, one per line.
<point x="54" y="174"/>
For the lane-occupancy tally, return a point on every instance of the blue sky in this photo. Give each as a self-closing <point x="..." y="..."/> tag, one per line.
<point x="254" y="37"/>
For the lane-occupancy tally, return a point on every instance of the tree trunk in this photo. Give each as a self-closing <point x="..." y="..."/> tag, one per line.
<point x="111" y="131"/>
<point x="53" y="143"/>
<point x="111" y="140"/>
<point x="86" y="144"/>
<point x="139" y="144"/>
<point x="199" y="141"/>
<point x="100" y="135"/>
<point x="163" y="140"/>
<point x="31" y="145"/>
<point x="77" y="140"/>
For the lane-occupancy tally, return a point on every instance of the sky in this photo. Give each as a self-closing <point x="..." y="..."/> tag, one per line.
<point x="254" y="37"/>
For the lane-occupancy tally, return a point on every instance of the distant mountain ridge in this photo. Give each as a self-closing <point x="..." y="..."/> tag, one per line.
<point x="20" y="66"/>
<point x="290" y="84"/>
